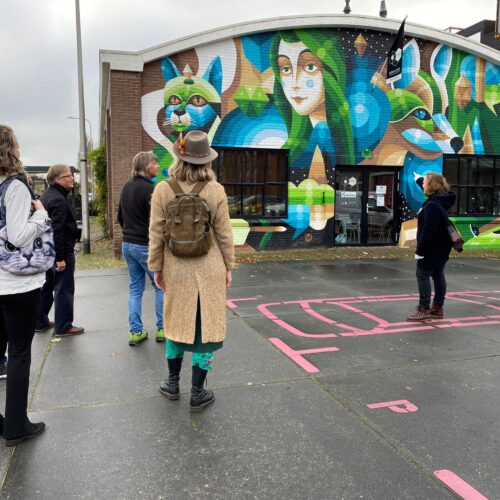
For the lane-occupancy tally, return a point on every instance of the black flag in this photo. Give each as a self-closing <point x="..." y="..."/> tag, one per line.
<point x="395" y="56"/>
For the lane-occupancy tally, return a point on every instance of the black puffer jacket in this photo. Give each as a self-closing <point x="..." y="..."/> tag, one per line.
<point x="433" y="241"/>
<point x="55" y="201"/>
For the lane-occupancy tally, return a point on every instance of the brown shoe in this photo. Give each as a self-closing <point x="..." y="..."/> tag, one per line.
<point x="48" y="326"/>
<point x="421" y="314"/>
<point x="437" y="312"/>
<point x="74" y="330"/>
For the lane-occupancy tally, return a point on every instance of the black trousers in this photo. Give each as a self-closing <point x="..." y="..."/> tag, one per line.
<point x="18" y="314"/>
<point x="424" y="276"/>
<point x="59" y="289"/>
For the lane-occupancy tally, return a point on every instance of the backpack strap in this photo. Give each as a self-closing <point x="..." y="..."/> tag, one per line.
<point x="175" y="186"/>
<point x="3" y="190"/>
<point x="199" y="186"/>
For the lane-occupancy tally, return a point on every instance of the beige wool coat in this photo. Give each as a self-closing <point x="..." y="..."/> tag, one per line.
<point x="187" y="277"/>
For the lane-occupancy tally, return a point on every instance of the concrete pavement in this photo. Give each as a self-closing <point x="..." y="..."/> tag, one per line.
<point x="322" y="391"/>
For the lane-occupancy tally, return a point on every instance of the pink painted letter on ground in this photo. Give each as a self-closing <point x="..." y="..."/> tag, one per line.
<point x="401" y="406"/>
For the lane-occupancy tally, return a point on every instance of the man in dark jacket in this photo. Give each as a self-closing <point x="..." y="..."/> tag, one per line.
<point x="59" y="287"/>
<point x="133" y="216"/>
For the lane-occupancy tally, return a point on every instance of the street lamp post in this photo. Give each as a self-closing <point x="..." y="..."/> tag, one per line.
<point x="90" y="143"/>
<point x="88" y="121"/>
<point x="83" y="142"/>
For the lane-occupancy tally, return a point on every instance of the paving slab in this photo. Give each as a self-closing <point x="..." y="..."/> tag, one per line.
<point x="258" y="442"/>
<point x="454" y="423"/>
<point x="100" y="367"/>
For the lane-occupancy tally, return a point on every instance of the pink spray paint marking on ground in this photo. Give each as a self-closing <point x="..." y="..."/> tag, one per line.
<point x="458" y="485"/>
<point x="401" y="406"/>
<point x="274" y="311"/>
<point x="231" y="302"/>
<point x="297" y="356"/>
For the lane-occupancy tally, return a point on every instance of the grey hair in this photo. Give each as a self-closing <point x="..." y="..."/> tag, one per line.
<point x="56" y="171"/>
<point x="188" y="172"/>
<point x="141" y="162"/>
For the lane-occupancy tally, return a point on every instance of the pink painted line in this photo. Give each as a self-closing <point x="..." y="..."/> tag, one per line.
<point x="294" y="355"/>
<point x="476" y="302"/>
<point x="381" y="331"/>
<point x="458" y="485"/>
<point x="300" y="333"/>
<point x="476" y="323"/>
<point x="372" y="317"/>
<point x="231" y="303"/>
<point x="398" y="299"/>
<point x="263" y="308"/>
<point x="316" y="351"/>
<point x="319" y="316"/>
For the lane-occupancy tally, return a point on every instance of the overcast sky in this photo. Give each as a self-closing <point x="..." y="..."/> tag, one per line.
<point x="38" y="70"/>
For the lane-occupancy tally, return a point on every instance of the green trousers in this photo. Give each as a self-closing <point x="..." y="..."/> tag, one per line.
<point x="200" y="359"/>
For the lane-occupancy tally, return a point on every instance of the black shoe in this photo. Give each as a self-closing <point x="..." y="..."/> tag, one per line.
<point x="200" y="398"/>
<point x="36" y="430"/>
<point x="170" y="386"/>
<point x="48" y="326"/>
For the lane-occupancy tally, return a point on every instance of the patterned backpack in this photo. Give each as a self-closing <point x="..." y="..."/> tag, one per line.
<point x="188" y="227"/>
<point x="37" y="256"/>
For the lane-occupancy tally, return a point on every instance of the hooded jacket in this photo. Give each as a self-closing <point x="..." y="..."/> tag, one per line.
<point x="433" y="240"/>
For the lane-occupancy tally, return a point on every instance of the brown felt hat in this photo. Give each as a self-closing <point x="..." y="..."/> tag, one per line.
<point x="195" y="148"/>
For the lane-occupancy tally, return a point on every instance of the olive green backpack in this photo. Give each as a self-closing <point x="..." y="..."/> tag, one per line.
<point x="188" y="222"/>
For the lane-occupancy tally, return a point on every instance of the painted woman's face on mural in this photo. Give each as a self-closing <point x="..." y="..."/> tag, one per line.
<point x="301" y="75"/>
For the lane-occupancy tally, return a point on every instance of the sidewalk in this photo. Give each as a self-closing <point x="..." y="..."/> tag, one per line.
<point x="323" y="391"/>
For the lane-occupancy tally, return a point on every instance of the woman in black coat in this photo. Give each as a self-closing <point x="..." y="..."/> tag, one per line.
<point x="433" y="247"/>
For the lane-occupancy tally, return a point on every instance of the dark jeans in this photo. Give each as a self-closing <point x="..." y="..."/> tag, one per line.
<point x="424" y="276"/>
<point x="59" y="289"/>
<point x="17" y="323"/>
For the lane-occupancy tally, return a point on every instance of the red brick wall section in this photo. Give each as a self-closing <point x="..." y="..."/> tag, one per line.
<point x="125" y="140"/>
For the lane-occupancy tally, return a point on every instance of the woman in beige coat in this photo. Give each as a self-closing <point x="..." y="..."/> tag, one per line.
<point x="194" y="308"/>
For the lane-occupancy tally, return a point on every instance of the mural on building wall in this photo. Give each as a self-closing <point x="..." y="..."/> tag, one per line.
<point x="321" y="94"/>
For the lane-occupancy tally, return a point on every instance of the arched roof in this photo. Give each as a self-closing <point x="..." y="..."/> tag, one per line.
<point x="134" y="61"/>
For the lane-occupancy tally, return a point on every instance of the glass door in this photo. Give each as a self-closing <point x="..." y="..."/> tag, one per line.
<point x="380" y="207"/>
<point x="365" y="206"/>
<point x="348" y="207"/>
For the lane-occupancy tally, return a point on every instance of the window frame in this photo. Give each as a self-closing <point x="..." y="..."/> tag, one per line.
<point x="464" y="189"/>
<point x="259" y="186"/>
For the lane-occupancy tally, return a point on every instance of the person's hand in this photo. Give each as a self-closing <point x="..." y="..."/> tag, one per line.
<point x="159" y="281"/>
<point x="60" y="266"/>
<point x="37" y="205"/>
<point x="229" y="278"/>
<point x="418" y="257"/>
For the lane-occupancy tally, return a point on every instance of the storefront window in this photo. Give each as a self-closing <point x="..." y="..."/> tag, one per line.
<point x="476" y="181"/>
<point x="255" y="181"/>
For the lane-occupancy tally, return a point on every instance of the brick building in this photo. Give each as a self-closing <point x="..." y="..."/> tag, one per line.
<point x="315" y="148"/>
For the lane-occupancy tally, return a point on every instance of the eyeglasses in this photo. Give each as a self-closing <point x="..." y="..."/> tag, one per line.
<point x="64" y="176"/>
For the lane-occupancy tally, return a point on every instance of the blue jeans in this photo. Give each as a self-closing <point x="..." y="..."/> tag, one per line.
<point x="424" y="285"/>
<point x="137" y="262"/>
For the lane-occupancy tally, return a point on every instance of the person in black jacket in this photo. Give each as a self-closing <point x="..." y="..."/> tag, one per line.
<point x="133" y="217"/>
<point x="433" y="247"/>
<point x="59" y="287"/>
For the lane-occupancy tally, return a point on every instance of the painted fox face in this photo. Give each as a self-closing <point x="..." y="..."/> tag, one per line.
<point x="191" y="102"/>
<point x="418" y="132"/>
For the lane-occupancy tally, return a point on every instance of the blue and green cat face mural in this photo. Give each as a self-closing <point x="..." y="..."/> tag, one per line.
<point x="321" y="94"/>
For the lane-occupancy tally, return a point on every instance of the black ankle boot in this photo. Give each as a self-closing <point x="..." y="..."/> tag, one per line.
<point x="200" y="397"/>
<point x="170" y="386"/>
